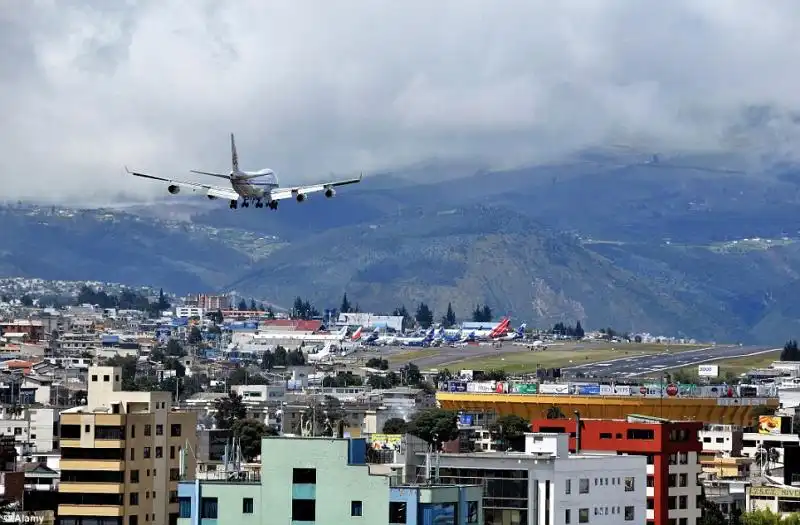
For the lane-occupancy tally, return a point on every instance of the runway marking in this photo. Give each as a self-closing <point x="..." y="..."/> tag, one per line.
<point x="723" y="358"/>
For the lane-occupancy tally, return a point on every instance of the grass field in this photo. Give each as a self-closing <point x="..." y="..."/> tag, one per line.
<point x="735" y="367"/>
<point x="560" y="356"/>
<point x="404" y="357"/>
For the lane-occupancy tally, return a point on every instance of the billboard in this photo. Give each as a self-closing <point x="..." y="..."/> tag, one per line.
<point x="456" y="386"/>
<point x="708" y="370"/>
<point x="386" y="441"/>
<point x="554" y="388"/>
<point x="587" y="390"/>
<point x="483" y="387"/>
<point x="523" y="388"/>
<point x="769" y="425"/>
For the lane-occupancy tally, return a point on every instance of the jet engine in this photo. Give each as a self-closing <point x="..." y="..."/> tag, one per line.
<point x="330" y="192"/>
<point x="211" y="197"/>
<point x="173" y="189"/>
<point x="301" y="197"/>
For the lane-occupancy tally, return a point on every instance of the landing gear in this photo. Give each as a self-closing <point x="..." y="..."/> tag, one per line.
<point x="234" y="204"/>
<point x="259" y="204"/>
<point x="273" y="205"/>
<point x="245" y="203"/>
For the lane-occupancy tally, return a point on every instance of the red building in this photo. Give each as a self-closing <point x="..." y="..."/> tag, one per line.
<point x="672" y="449"/>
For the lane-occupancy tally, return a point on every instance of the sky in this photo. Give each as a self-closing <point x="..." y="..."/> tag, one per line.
<point x="316" y="88"/>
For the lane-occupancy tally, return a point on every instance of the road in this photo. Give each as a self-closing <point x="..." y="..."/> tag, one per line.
<point x="648" y="364"/>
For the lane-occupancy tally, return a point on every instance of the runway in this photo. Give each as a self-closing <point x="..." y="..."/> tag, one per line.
<point x="649" y="364"/>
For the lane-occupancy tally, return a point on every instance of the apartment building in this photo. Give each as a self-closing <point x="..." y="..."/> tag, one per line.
<point x="322" y="481"/>
<point x="122" y="455"/>
<point x="548" y="485"/>
<point x="671" y="449"/>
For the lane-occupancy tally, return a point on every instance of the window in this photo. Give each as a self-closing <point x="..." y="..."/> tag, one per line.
<point x="682" y="502"/>
<point x="568" y="488"/>
<point x="684" y="458"/>
<point x="583" y="486"/>
<point x="208" y="508"/>
<point x="172" y="452"/>
<point x="174" y="474"/>
<point x="159" y="452"/>
<point x="397" y="511"/>
<point x="133" y="520"/>
<point x="175" y="430"/>
<point x="629" y="486"/>
<point x="94" y="378"/>
<point x="116" y="378"/>
<point x="683" y="480"/>
<point x="148" y="430"/>
<point x="146" y="453"/>
<point x="672" y="503"/>
<point x="629" y="513"/>
<point x="304" y="510"/>
<point x="134" y="498"/>
<point x="247" y="505"/>
<point x="86" y="428"/>
<point x="583" y="515"/>
<point x="672" y="480"/>
<point x="159" y="430"/>
<point x="133" y="454"/>
<point x="356" y="508"/>
<point x="605" y="435"/>
<point x="133" y="431"/>
<point x="472" y="512"/>
<point x="134" y="476"/>
<point x="106" y="378"/>
<point x="304" y="476"/>
<point x="567" y="516"/>
<point x="639" y="433"/>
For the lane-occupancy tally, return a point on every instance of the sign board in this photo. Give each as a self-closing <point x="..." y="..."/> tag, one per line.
<point x="774" y="492"/>
<point x="708" y="370"/>
<point x="769" y="425"/>
<point x="524" y="388"/>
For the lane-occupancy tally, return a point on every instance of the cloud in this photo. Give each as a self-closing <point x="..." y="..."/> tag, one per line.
<point x="317" y="87"/>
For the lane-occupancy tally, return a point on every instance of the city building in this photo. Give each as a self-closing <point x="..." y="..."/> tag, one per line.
<point x="671" y="449"/>
<point x="209" y="302"/>
<point x="122" y="455"/>
<point x="548" y="485"/>
<point x="783" y="500"/>
<point x="323" y="481"/>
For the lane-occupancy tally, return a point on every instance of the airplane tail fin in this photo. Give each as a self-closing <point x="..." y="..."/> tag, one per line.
<point x="234" y="155"/>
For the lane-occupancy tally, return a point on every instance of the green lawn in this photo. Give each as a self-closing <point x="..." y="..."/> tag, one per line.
<point x="554" y="357"/>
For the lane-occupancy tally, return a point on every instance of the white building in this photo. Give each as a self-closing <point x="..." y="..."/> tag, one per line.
<point x="727" y="439"/>
<point x="547" y="484"/>
<point x="188" y="312"/>
<point x="33" y="429"/>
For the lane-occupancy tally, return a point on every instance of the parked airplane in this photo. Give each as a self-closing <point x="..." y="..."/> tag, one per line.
<point x="418" y="341"/>
<point x="497" y="330"/>
<point x="519" y="334"/>
<point x="267" y="192"/>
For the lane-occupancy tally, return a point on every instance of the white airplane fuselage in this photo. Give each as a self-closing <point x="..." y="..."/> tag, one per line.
<point x="242" y="183"/>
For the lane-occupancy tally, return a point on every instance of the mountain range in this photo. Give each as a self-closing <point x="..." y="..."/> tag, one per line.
<point x="685" y="245"/>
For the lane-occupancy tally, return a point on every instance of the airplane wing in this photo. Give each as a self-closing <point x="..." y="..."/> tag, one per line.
<point x="206" y="189"/>
<point x="287" y="193"/>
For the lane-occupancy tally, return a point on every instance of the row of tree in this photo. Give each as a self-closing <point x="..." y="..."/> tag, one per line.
<point x="126" y="300"/>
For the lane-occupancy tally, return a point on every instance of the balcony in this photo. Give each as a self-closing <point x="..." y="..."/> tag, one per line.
<point x="72" y="487"/>
<point x="104" y="511"/>
<point x="92" y="464"/>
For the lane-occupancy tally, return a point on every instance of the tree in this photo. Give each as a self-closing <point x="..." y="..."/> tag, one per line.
<point x="195" y="336"/>
<point x="395" y="425"/>
<point x="424" y="316"/>
<point x="449" y="318"/>
<point x="345" y="308"/>
<point x="408" y="321"/>
<point x="242" y="305"/>
<point x="790" y="351"/>
<point x="555" y="412"/>
<point x="216" y="317"/>
<point x="434" y="425"/>
<point x="267" y="360"/>
<point x="482" y="314"/>
<point x="228" y="410"/>
<point x="342" y="380"/>
<point x="26" y="300"/>
<point x="766" y="456"/>
<point x="411" y="375"/>
<point x="579" y="333"/>
<point x="253" y="306"/>
<point x="270" y="312"/>
<point x="377" y="362"/>
<point x="377" y="382"/>
<point x="767" y="517"/>
<point x="710" y="513"/>
<point x="250" y="432"/>
<point x="510" y="431"/>
<point x="174" y="349"/>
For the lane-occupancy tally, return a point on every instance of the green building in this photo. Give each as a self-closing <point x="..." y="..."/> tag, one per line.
<point x="322" y="481"/>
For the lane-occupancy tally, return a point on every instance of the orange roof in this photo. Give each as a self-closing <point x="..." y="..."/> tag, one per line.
<point x="293" y="324"/>
<point x="18" y="363"/>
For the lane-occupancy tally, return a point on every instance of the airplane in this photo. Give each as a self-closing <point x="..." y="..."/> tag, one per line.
<point x="493" y="331"/>
<point x="519" y="334"/>
<point x="241" y="187"/>
<point x="419" y="341"/>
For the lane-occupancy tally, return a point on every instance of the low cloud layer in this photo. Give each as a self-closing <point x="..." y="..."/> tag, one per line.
<point x="316" y="87"/>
